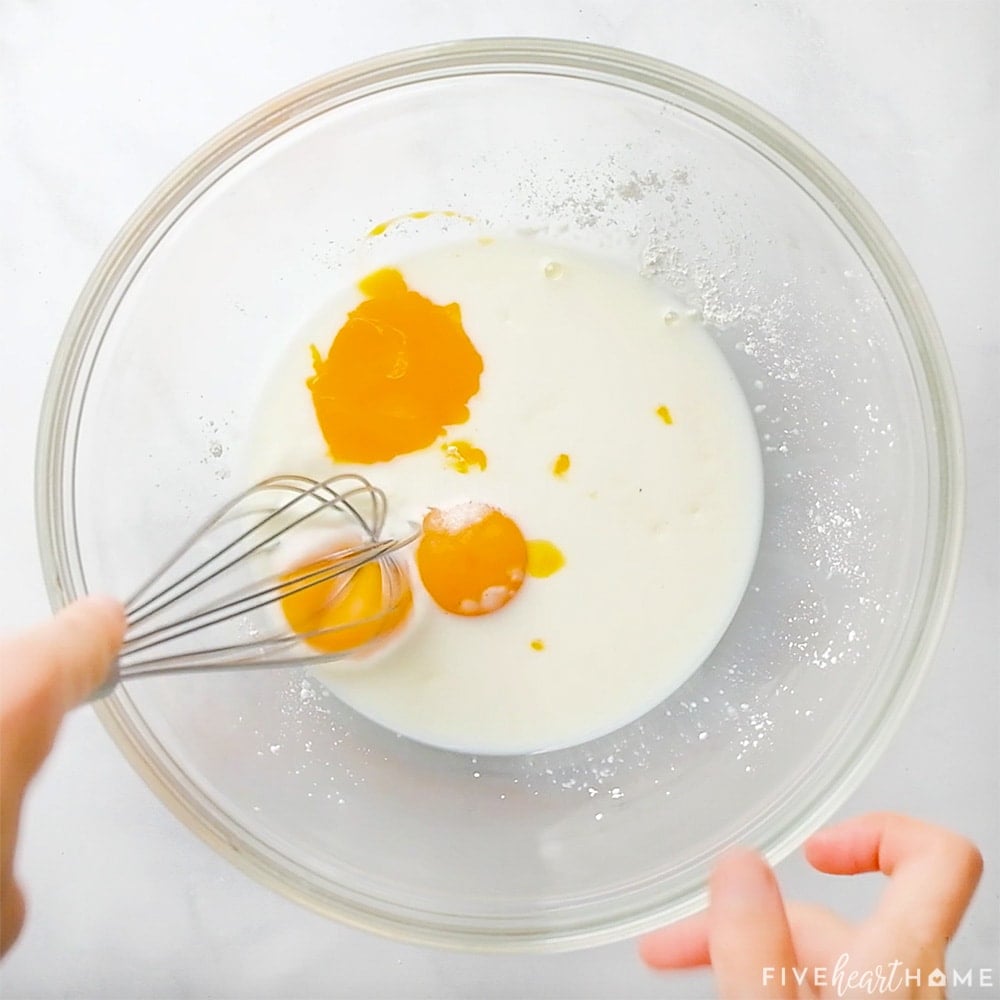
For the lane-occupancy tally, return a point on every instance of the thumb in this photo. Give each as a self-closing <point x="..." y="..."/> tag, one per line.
<point x="44" y="671"/>
<point x="68" y="656"/>
<point x="749" y="939"/>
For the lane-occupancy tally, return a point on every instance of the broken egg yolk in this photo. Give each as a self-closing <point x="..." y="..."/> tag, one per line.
<point x="471" y="557"/>
<point x="399" y="371"/>
<point x="463" y="456"/>
<point x="544" y="558"/>
<point x="356" y="608"/>
<point x="561" y="465"/>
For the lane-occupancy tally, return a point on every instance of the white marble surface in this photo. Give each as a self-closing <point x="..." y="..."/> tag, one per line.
<point x="99" y="100"/>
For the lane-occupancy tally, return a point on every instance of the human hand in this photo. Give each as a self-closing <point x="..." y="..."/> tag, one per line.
<point x="44" y="672"/>
<point x="760" y="947"/>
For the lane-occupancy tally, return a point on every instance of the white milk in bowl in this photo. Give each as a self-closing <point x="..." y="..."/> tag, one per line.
<point x="605" y="426"/>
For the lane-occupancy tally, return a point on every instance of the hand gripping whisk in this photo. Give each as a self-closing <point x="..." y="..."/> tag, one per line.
<point x="210" y="606"/>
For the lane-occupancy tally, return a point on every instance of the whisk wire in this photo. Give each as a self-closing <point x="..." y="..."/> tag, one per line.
<point x="217" y="656"/>
<point x="177" y="604"/>
<point x="336" y="501"/>
<point x="236" y="602"/>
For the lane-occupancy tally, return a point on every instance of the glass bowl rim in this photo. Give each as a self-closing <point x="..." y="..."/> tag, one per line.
<point x="66" y="392"/>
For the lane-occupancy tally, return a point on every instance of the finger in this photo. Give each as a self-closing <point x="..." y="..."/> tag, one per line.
<point x="68" y="655"/>
<point x="45" y="670"/>
<point x="817" y="933"/>
<point x="11" y="915"/>
<point x="748" y="929"/>
<point x="933" y="871"/>
<point x="684" y="945"/>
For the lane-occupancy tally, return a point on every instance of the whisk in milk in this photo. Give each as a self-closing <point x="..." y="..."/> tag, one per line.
<point x="211" y="605"/>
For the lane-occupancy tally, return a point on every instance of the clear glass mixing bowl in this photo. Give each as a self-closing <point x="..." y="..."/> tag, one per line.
<point x="823" y="322"/>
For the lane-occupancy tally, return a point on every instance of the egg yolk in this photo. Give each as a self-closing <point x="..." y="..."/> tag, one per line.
<point x="399" y="371"/>
<point x="354" y="606"/>
<point x="471" y="557"/>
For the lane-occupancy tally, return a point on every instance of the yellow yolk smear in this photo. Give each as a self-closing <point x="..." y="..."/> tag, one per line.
<point x="561" y="465"/>
<point x="399" y="371"/>
<point x="383" y="227"/>
<point x="471" y="557"/>
<point x="544" y="558"/>
<point x="354" y="605"/>
<point x="462" y="456"/>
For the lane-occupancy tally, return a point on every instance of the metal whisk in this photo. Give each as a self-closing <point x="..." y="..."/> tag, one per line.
<point x="229" y="573"/>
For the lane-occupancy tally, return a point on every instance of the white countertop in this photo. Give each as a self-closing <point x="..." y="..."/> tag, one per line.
<point x="99" y="101"/>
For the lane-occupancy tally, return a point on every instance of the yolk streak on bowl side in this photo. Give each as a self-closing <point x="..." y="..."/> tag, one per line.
<point x="399" y="371"/>
<point x="383" y="227"/>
